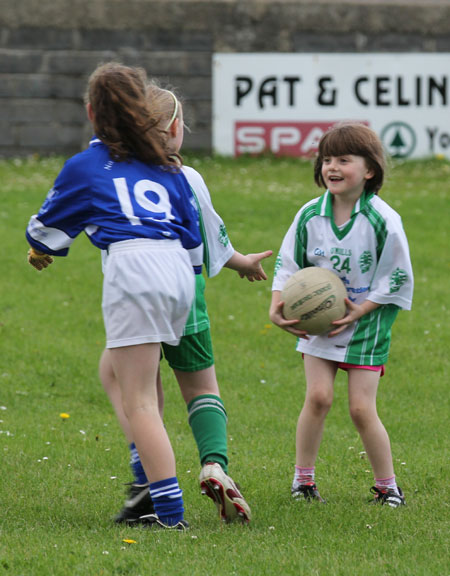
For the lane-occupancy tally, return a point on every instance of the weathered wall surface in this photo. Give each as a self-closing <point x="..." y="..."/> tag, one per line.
<point x="49" y="47"/>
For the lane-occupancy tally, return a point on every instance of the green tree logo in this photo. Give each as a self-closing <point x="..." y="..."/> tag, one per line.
<point x="399" y="139"/>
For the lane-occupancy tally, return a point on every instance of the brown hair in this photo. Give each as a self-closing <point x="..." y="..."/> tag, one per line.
<point x="124" y="117"/>
<point x="358" y="140"/>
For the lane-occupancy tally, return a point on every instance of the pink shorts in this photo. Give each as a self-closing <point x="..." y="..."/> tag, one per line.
<point x="345" y="366"/>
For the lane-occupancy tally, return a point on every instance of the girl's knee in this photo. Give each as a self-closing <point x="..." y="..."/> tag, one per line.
<point x="362" y="414"/>
<point x="320" y="401"/>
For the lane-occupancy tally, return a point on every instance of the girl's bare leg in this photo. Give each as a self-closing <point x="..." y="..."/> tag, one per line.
<point x="320" y="376"/>
<point x="136" y="369"/>
<point x="112" y="389"/>
<point x="362" y="395"/>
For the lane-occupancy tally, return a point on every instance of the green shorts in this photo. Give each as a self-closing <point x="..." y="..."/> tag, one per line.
<point x="193" y="353"/>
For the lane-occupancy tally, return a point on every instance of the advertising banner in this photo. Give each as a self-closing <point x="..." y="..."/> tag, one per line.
<point x="282" y="103"/>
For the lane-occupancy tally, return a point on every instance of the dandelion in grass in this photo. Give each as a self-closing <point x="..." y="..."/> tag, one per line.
<point x="266" y="328"/>
<point x="129" y="541"/>
<point x="64" y="416"/>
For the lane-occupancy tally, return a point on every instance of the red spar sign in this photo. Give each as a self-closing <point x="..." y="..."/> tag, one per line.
<point x="280" y="138"/>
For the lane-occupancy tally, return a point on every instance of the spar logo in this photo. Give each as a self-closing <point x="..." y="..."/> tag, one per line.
<point x="279" y="138"/>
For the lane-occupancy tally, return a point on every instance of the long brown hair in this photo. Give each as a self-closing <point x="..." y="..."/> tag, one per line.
<point x="356" y="139"/>
<point x="123" y="117"/>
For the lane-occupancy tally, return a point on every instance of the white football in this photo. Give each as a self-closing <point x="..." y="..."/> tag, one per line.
<point x="315" y="297"/>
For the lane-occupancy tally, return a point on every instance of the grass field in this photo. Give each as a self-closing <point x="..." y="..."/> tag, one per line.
<point x="61" y="480"/>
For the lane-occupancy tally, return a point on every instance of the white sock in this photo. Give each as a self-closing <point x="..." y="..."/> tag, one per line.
<point x="303" y="475"/>
<point x="387" y="484"/>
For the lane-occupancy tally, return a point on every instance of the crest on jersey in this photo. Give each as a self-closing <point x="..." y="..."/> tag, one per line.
<point x="365" y="261"/>
<point x="278" y="263"/>
<point x="223" y="236"/>
<point x="397" y="279"/>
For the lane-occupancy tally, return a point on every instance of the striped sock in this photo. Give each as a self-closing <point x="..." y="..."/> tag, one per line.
<point x="208" y="421"/>
<point x="167" y="498"/>
<point x="136" y="466"/>
<point x="387" y="483"/>
<point x="303" y="475"/>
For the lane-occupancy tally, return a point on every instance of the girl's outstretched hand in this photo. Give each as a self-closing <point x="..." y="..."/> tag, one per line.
<point x="249" y="266"/>
<point x="276" y="316"/>
<point x="252" y="268"/>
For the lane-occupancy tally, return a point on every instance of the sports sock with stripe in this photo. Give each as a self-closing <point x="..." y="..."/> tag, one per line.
<point x="208" y="421"/>
<point x="136" y="466"/>
<point x="167" y="498"/>
<point x="387" y="483"/>
<point x="302" y="476"/>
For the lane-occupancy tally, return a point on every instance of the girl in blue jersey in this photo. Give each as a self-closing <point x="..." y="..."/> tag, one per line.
<point x="193" y="360"/>
<point x="354" y="233"/>
<point x="129" y="196"/>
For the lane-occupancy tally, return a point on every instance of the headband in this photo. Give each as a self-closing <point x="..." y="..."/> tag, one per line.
<point x="175" y="111"/>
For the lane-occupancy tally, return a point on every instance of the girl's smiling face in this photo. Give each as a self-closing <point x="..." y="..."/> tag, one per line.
<point x="345" y="175"/>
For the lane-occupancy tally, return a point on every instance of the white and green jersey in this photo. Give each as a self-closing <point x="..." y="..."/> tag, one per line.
<point x="371" y="256"/>
<point x="217" y="248"/>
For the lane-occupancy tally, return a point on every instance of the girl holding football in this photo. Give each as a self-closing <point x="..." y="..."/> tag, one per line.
<point x="353" y="232"/>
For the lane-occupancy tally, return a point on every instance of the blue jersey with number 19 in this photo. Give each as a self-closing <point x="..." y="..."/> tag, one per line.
<point x="115" y="201"/>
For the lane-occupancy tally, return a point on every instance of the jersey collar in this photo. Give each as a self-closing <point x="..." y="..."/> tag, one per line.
<point x="325" y="208"/>
<point x="94" y="140"/>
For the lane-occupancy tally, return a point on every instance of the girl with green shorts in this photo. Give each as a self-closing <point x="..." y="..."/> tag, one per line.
<point x="192" y="360"/>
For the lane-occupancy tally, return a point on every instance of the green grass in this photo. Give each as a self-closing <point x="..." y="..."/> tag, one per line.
<point x="62" y="481"/>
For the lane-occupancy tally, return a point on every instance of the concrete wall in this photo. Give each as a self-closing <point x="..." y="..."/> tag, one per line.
<point x="49" y="47"/>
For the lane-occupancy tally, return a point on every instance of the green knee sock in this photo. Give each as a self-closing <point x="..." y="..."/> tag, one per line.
<point x="208" y="420"/>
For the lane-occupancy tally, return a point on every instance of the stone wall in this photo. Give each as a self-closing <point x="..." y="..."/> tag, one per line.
<point x="49" y="47"/>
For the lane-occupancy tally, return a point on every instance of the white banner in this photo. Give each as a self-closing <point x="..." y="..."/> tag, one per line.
<point x="283" y="103"/>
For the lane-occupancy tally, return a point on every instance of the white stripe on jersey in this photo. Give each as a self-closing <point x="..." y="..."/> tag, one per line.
<point x="54" y="238"/>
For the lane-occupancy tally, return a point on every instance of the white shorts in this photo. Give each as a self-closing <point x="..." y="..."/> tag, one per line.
<point x="148" y="290"/>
